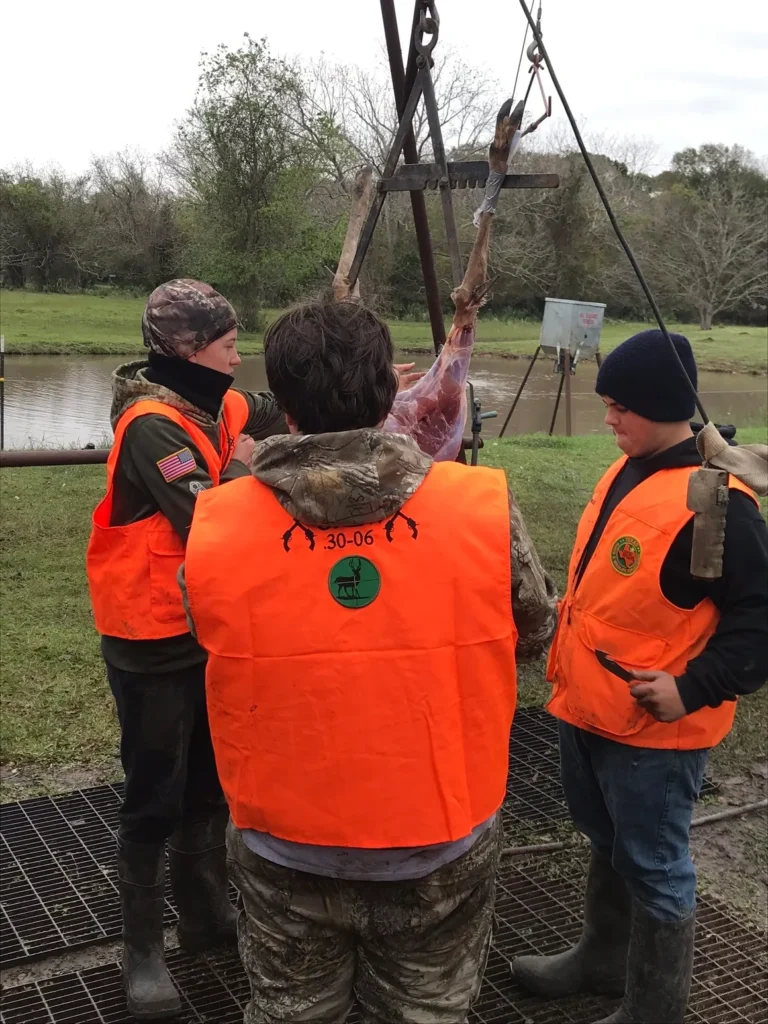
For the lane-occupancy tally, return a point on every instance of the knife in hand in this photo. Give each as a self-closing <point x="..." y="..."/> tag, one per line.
<point x="614" y="667"/>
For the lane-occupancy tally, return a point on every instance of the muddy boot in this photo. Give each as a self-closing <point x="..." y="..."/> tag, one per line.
<point x="148" y="986"/>
<point x="198" y="861"/>
<point x="598" y="961"/>
<point x="659" y="972"/>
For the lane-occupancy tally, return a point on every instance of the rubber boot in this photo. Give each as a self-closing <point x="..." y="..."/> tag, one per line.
<point x="197" y="859"/>
<point x="598" y="961"/>
<point x="659" y="972"/>
<point x="141" y="879"/>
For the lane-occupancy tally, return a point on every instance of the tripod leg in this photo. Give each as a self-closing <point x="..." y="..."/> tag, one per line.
<point x="557" y="404"/>
<point x="523" y="382"/>
<point x="567" y="375"/>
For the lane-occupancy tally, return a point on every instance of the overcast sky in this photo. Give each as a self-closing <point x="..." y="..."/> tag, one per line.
<point x="84" y="78"/>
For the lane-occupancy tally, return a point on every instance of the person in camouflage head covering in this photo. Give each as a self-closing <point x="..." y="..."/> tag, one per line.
<point x="181" y="427"/>
<point x="183" y="316"/>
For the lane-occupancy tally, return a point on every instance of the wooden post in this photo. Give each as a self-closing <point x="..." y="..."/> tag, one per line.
<point x="567" y="372"/>
<point x="361" y="200"/>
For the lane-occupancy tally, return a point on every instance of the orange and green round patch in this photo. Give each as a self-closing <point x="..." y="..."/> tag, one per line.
<point x="625" y="555"/>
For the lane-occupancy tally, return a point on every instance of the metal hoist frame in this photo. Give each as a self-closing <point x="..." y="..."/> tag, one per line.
<point x="410" y="88"/>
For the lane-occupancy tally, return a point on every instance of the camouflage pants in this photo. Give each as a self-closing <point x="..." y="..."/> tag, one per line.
<point x="410" y="952"/>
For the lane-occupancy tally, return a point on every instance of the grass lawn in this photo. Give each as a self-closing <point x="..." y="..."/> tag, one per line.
<point x="56" y="706"/>
<point x="35" y="323"/>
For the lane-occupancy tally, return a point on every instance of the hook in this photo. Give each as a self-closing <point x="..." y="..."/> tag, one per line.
<point x="531" y="53"/>
<point x="534" y="71"/>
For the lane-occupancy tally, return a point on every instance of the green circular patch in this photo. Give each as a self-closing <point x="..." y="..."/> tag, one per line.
<point x="625" y="555"/>
<point x="354" y="582"/>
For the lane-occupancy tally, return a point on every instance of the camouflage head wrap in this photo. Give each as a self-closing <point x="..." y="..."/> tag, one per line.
<point x="183" y="316"/>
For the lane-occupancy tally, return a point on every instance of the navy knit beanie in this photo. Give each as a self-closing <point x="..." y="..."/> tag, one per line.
<point x="642" y="375"/>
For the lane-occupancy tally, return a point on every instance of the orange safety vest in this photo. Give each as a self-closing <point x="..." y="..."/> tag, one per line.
<point x="361" y="680"/>
<point x="132" y="569"/>
<point x="619" y="608"/>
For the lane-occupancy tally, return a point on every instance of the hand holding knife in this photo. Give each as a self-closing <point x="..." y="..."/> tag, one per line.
<point x="655" y="692"/>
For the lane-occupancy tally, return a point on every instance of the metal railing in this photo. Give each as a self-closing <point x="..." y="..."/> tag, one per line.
<point x="54" y="457"/>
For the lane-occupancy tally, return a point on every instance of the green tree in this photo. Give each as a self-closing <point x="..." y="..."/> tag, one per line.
<point x="247" y="171"/>
<point x="718" y="169"/>
<point x="44" y="230"/>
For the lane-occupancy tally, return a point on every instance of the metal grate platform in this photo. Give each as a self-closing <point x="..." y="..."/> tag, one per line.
<point x="538" y="910"/>
<point x="57" y="854"/>
<point x="57" y="873"/>
<point x="214" y="992"/>
<point x="534" y="793"/>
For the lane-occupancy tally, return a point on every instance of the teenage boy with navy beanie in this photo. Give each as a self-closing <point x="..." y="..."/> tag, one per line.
<point x="636" y="726"/>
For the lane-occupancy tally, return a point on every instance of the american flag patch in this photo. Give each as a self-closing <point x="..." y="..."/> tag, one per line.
<point x="176" y="465"/>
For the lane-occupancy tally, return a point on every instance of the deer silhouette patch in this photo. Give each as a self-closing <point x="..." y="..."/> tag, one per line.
<point x="354" y="582"/>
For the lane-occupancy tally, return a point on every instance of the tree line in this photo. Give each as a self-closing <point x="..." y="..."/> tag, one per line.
<point x="253" y="193"/>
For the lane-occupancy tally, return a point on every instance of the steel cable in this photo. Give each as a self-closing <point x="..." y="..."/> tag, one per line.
<point x="609" y="210"/>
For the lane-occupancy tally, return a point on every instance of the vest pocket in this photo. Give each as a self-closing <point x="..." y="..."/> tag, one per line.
<point x="166" y="553"/>
<point x="595" y="695"/>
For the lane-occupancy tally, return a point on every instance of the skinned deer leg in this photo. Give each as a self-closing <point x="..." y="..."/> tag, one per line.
<point x="361" y="200"/>
<point x="434" y="411"/>
<point x="471" y="293"/>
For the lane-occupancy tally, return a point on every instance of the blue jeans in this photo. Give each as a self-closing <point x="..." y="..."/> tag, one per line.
<point x="635" y="804"/>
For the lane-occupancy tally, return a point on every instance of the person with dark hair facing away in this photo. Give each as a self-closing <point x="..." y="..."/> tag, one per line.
<point x="646" y="667"/>
<point x="363" y="609"/>
<point x="180" y="428"/>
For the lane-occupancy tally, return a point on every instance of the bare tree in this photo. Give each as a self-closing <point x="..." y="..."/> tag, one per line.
<point x="135" y="228"/>
<point x="351" y="111"/>
<point x="714" y="250"/>
<point x="361" y="104"/>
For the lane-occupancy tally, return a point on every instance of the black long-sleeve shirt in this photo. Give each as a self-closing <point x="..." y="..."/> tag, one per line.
<point x="735" y="661"/>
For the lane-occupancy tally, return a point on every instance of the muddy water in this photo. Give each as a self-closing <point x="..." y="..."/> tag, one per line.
<point x="57" y="400"/>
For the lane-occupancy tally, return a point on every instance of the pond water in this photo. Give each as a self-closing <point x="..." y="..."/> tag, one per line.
<point x="65" y="400"/>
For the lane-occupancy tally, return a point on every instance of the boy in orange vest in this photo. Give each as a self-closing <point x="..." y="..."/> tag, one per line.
<point x="180" y="428"/>
<point x="646" y="666"/>
<point x="362" y="609"/>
